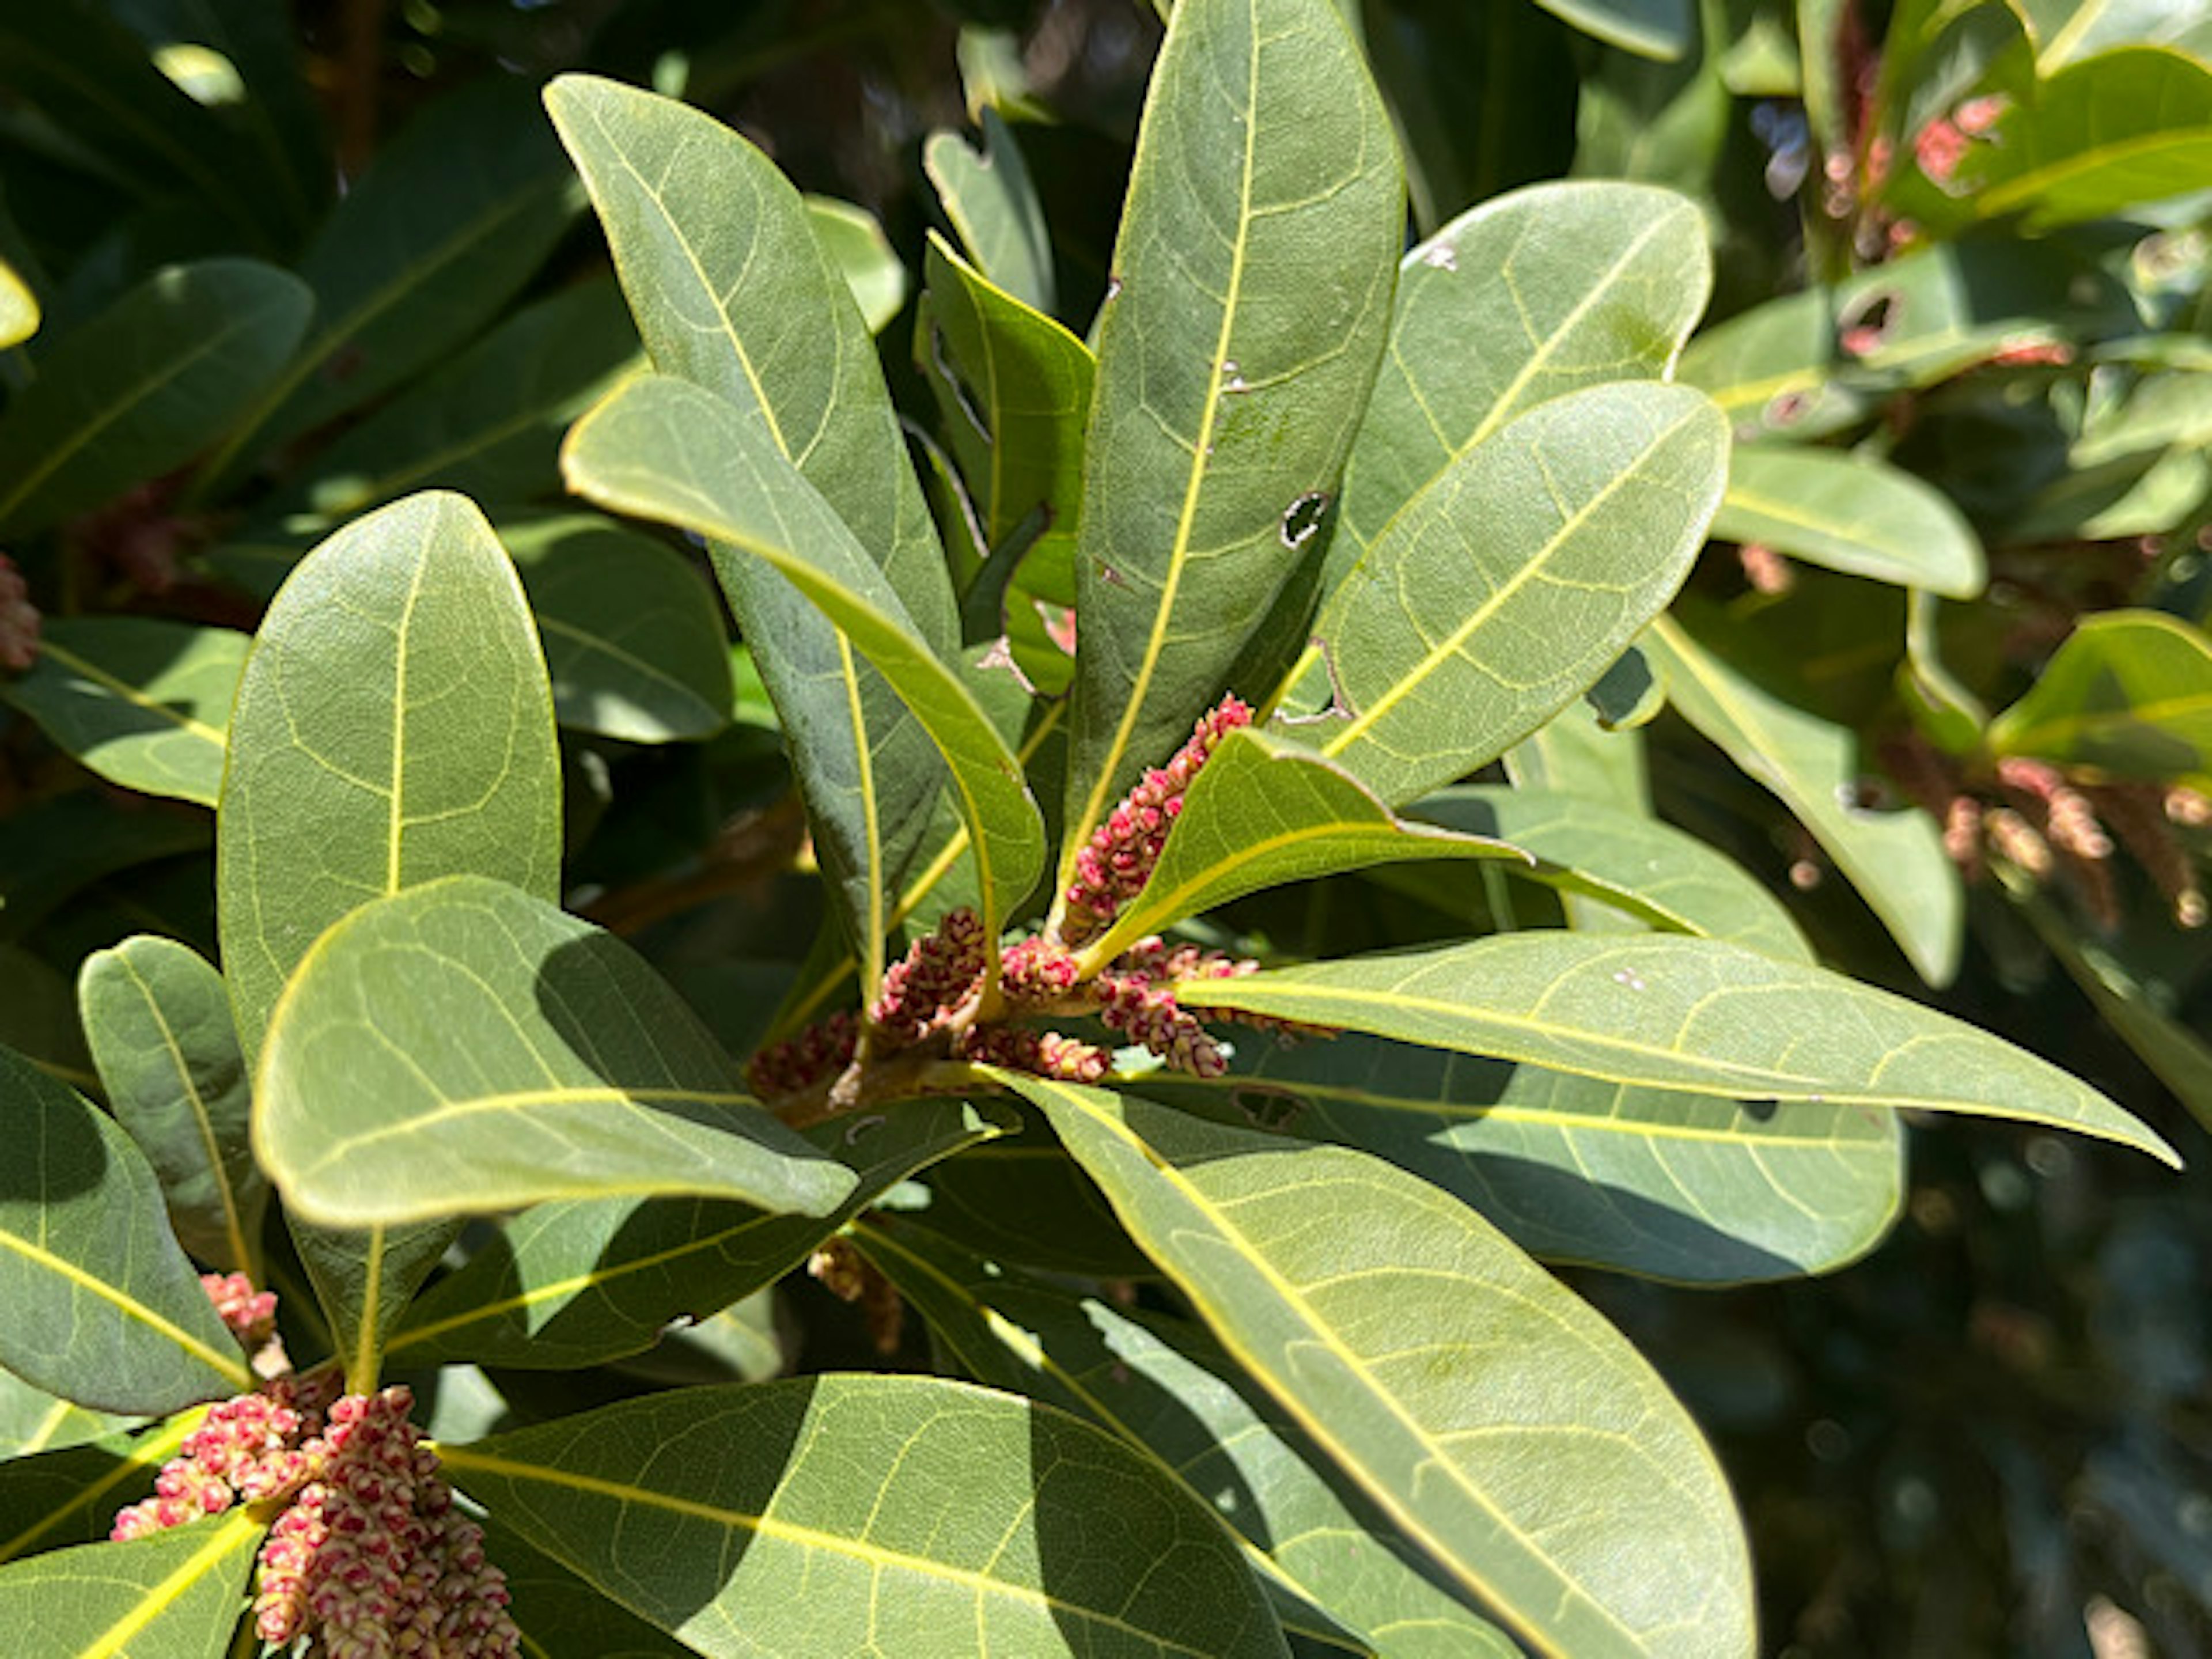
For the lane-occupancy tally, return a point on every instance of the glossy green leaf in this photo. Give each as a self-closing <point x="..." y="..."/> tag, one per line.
<point x="1512" y="582"/>
<point x="1895" y="860"/>
<point x="666" y="449"/>
<point x="856" y="245"/>
<point x="717" y="253"/>
<point x="1165" y="1388"/>
<point x="428" y="246"/>
<point x="1263" y="812"/>
<point x="32" y="1421"/>
<point x="145" y="385"/>
<point x="573" y="1285"/>
<point x="1536" y="293"/>
<point x="393" y="725"/>
<point x="1649" y="28"/>
<point x="51" y="1499"/>
<point x="19" y="307"/>
<point x="994" y="209"/>
<point x="1253" y="279"/>
<point x="1497" y="1420"/>
<point x="2129" y="694"/>
<point x="1572" y="1168"/>
<point x="1862" y="517"/>
<point x="177" y="1594"/>
<point x="901" y="1514"/>
<point x="140" y="701"/>
<point x="634" y="642"/>
<point x="104" y="1309"/>
<point x="462" y="1048"/>
<point x="486" y="425"/>
<point x="2127" y="126"/>
<point x="159" y="1025"/>
<point x="1637" y="863"/>
<point x="1694" y="1014"/>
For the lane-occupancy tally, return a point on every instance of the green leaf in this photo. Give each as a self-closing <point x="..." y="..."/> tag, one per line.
<point x="1571" y="1169"/>
<point x="462" y="1048"/>
<point x="158" y="1022"/>
<point x="145" y="385"/>
<point x="1499" y="1421"/>
<point x="1163" y="1387"/>
<point x="38" y="1018"/>
<point x="665" y="449"/>
<point x="176" y="1595"/>
<point x="33" y="1421"/>
<point x="2066" y="31"/>
<point x="856" y="245"/>
<point x="1253" y="274"/>
<point x="1532" y="295"/>
<point x="393" y="725"/>
<point x="994" y="209"/>
<point x="103" y="1307"/>
<point x="1694" y="1014"/>
<point x="2128" y="126"/>
<point x="51" y="1499"/>
<point x="1895" y="860"/>
<point x="1646" y="868"/>
<point x="1512" y="582"/>
<point x="1650" y="29"/>
<point x="1023" y="1199"/>
<point x="140" y="701"/>
<point x="565" y="1286"/>
<point x="2129" y="694"/>
<point x="1263" y="812"/>
<point x="486" y="425"/>
<point x="904" y="1514"/>
<point x="634" y="640"/>
<point x="51" y="848"/>
<point x="1862" y="517"/>
<point x="19" y="307"/>
<point x="717" y="253"/>
<point x="426" y="247"/>
<point x="557" y="1612"/>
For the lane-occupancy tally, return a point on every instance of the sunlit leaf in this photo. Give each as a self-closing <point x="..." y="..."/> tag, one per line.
<point x="142" y="700"/>
<point x="19" y="307"/>
<point x="177" y="1594"/>
<point x="1497" y="1420"/>
<point x="33" y="1421"/>
<point x="2129" y="694"/>
<point x="994" y="209"/>
<point x="1649" y="28"/>
<point x="856" y="245"/>
<point x="104" y="1309"/>
<point x="51" y="1499"/>
<point x="841" y="1513"/>
<point x="159" y="1023"/>
<point x="1670" y="1013"/>
<point x="1863" y="517"/>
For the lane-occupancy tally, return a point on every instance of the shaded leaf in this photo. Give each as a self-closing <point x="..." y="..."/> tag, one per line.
<point x="1514" y="578"/>
<point x="634" y="642"/>
<point x="428" y="246"/>
<point x="1862" y="517"/>
<point x="1023" y="1199"/>
<point x="1670" y="1013"/>
<point x="145" y="385"/>
<point x="159" y="1023"/>
<point x="1253" y="278"/>
<point x="1650" y="29"/>
<point x="1572" y="1168"/>
<point x="557" y="1612"/>
<point x="176" y="1595"/>
<point x="462" y="1048"/>
<point x="1497" y="1420"/>
<point x="1165" y="1388"/>
<point x="103" y="1307"/>
<point x="142" y="700"/>
<point x="666" y="449"/>
<point x="1263" y="812"/>
<point x="1895" y="860"/>
<point x="994" y="209"/>
<point x="50" y="1499"/>
<point x="856" y="245"/>
<point x="573" y="1285"/>
<point x="50" y="850"/>
<point x="39" y="1019"/>
<point x="839" y="1513"/>
<point x="2129" y="694"/>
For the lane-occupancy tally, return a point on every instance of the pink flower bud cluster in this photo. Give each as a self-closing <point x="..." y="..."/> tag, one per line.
<point x="1114" y="866"/>
<point x="1147" y="1014"/>
<point x="1038" y="971"/>
<point x="250" y="1314"/>
<point x="1041" y="1054"/>
<point x="939" y="973"/>
<point x="800" y="1062"/>
<point x="19" y="619"/>
<point x="370" y="1557"/>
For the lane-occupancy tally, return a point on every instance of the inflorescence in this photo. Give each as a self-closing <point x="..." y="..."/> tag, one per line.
<point x="935" y="1000"/>
<point x="368" y="1557"/>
